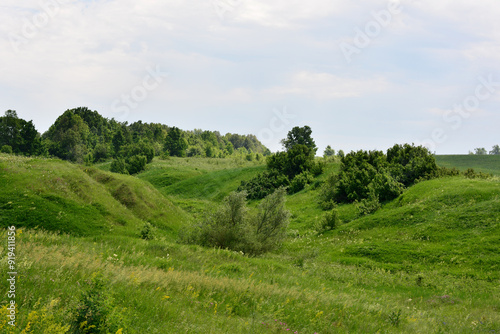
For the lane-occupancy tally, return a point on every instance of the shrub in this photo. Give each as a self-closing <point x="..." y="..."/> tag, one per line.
<point x="329" y="221"/>
<point x="119" y="166"/>
<point x="264" y="184"/>
<point x="232" y="226"/>
<point x="6" y="149"/>
<point x="271" y="222"/>
<point x="136" y="164"/>
<point x="147" y="232"/>
<point x="101" y="152"/>
<point x="299" y="182"/>
<point x="94" y="310"/>
<point x="369" y="205"/>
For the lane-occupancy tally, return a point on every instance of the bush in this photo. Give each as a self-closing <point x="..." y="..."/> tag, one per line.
<point x="119" y="166"/>
<point x="6" y="149"/>
<point x="329" y="221"/>
<point x="101" y="153"/>
<point x="147" y="231"/>
<point x="95" y="312"/>
<point x="270" y="223"/>
<point x="264" y="184"/>
<point x="136" y="164"/>
<point x="299" y="182"/>
<point x="369" y="205"/>
<point x="231" y="226"/>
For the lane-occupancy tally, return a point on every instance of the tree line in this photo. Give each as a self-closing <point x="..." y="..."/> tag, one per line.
<point x="84" y="136"/>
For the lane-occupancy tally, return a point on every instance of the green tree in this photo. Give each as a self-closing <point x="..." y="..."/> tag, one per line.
<point x="300" y="136"/>
<point x="118" y="141"/>
<point x="480" y="151"/>
<point x="175" y="144"/>
<point x="329" y="152"/>
<point x="495" y="150"/>
<point x="68" y="137"/>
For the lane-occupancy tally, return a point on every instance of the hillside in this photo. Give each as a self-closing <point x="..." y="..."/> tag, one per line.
<point x="426" y="262"/>
<point x="79" y="200"/>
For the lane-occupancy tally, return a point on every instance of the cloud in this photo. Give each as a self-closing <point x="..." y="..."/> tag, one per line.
<point x="325" y="86"/>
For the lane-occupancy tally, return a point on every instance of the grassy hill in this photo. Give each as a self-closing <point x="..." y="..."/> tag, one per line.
<point x="427" y="262"/>
<point x="68" y="198"/>
<point x="481" y="163"/>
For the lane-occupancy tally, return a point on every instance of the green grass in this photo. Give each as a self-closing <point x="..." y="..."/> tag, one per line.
<point x="481" y="163"/>
<point x="427" y="262"/>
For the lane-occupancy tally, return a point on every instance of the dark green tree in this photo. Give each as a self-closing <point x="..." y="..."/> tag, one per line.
<point x="175" y="144"/>
<point x="300" y="136"/>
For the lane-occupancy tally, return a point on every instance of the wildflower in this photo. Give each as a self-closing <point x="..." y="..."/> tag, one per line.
<point x="166" y="297"/>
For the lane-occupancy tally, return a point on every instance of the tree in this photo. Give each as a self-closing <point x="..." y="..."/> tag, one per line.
<point x="300" y="136"/>
<point x="495" y="150"/>
<point x="175" y="144"/>
<point x="329" y="152"/>
<point x="68" y="137"/>
<point x="480" y="151"/>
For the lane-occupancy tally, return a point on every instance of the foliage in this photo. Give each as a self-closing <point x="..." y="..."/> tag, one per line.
<point x="264" y="184"/>
<point x="232" y="226"/>
<point x="19" y="134"/>
<point x="495" y="150"/>
<point x="119" y="166"/>
<point x="95" y="308"/>
<point x="300" y="136"/>
<point x="369" y="205"/>
<point x="410" y="163"/>
<point x="299" y="182"/>
<point x="136" y="164"/>
<point x="329" y="152"/>
<point x="374" y="176"/>
<point x="175" y="145"/>
<point x="480" y="151"/>
<point x="329" y="221"/>
<point x="292" y="167"/>
<point x="147" y="231"/>
<point x="6" y="149"/>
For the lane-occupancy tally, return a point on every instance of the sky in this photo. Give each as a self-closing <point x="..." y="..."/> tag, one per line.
<point x="362" y="74"/>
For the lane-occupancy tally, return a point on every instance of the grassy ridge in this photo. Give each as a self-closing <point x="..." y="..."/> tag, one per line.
<point x="426" y="262"/>
<point x="60" y="196"/>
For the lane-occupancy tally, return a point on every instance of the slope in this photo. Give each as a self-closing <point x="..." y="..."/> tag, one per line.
<point x="60" y="196"/>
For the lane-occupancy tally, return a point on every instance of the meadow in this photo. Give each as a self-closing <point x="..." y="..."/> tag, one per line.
<point x="426" y="262"/>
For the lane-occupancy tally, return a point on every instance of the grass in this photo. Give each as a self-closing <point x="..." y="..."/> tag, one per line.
<point x="481" y="163"/>
<point x="426" y="262"/>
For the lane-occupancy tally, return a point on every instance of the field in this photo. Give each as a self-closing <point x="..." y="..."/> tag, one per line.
<point x="481" y="163"/>
<point x="427" y="262"/>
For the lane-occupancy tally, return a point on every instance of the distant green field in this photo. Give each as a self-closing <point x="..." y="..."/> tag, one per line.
<point x="481" y="163"/>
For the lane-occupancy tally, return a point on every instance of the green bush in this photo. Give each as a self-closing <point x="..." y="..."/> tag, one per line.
<point x="329" y="221"/>
<point x="232" y="226"/>
<point x="369" y="205"/>
<point x="264" y="184"/>
<point x="6" y="149"/>
<point x="119" y="166"/>
<point x="299" y="182"/>
<point x="136" y="164"/>
<point x="95" y="310"/>
<point x="147" y="231"/>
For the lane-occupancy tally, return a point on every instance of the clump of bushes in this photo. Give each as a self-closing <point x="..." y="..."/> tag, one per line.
<point x="293" y="168"/>
<point x="369" y="178"/>
<point x="232" y="225"/>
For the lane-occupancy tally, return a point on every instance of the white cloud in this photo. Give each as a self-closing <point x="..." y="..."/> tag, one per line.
<point x="325" y="86"/>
